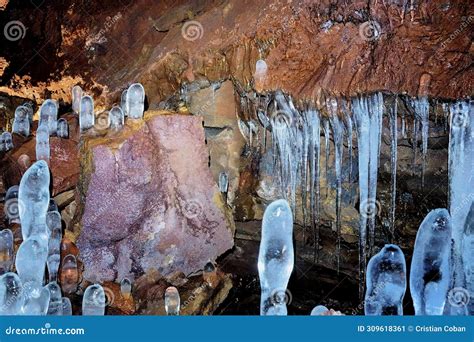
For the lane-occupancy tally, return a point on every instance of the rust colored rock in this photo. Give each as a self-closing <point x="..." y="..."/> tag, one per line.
<point x="64" y="162"/>
<point x="150" y="201"/>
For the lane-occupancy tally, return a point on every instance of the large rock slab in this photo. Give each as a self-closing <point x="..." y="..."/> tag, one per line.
<point x="149" y="200"/>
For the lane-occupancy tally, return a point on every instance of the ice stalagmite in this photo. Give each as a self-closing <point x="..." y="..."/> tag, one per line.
<point x="54" y="253"/>
<point x="6" y="142"/>
<point x="12" y="207"/>
<point x="63" y="129"/>
<point x="69" y="274"/>
<point x="393" y="164"/>
<point x="319" y="310"/>
<point x="126" y="288"/>
<point x="49" y="116"/>
<point x="461" y="185"/>
<point x="66" y="306"/>
<point x="135" y="101"/>
<point x="338" y="136"/>
<point x="94" y="301"/>
<point x="6" y="251"/>
<point x="11" y="294"/>
<point x="123" y="102"/>
<point x="468" y="260"/>
<point x="33" y="196"/>
<point x="42" y="147"/>
<point x="116" y="118"/>
<point x="421" y="107"/>
<point x="86" y="113"/>
<point x="368" y="119"/>
<point x="386" y="282"/>
<point x="55" y="307"/>
<point x="172" y="301"/>
<point x="36" y="305"/>
<point x="76" y="99"/>
<point x="30" y="264"/>
<point x="275" y="257"/>
<point x="430" y="274"/>
<point x="21" y="122"/>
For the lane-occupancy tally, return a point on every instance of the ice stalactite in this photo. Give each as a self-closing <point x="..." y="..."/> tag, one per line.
<point x="461" y="197"/>
<point x="314" y="149"/>
<point x="338" y="136"/>
<point x="393" y="165"/>
<point x="368" y="117"/>
<point x="349" y="134"/>
<point x="421" y="107"/>
<point x="327" y="133"/>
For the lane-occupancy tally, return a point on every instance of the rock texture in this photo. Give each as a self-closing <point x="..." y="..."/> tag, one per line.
<point x="149" y="200"/>
<point x="309" y="47"/>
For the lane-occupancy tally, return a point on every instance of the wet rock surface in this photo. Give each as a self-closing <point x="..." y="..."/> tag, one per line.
<point x="149" y="201"/>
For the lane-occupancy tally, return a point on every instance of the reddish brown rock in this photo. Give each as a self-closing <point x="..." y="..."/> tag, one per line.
<point x="150" y="201"/>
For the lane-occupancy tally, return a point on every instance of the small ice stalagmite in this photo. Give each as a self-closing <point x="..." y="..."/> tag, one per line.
<point x="86" y="113"/>
<point x="53" y="220"/>
<point x="94" y="301"/>
<point x="135" y="101"/>
<point x="11" y="294"/>
<point x="6" y="251"/>
<point x="123" y="102"/>
<point x="21" y="122"/>
<point x="31" y="111"/>
<point x="275" y="257"/>
<point x="76" y="99"/>
<point x="63" y="129"/>
<point x="430" y="275"/>
<point x="54" y="251"/>
<point x="126" y="288"/>
<point x="319" y="310"/>
<point x="116" y="118"/>
<point x="36" y="305"/>
<point x="172" y="301"/>
<point x="66" y="306"/>
<point x="55" y="299"/>
<point x="6" y="142"/>
<point x="386" y="283"/>
<point x="30" y="264"/>
<point x="33" y="195"/>
<point x="12" y="206"/>
<point x="468" y="257"/>
<point x="223" y="182"/>
<point x="49" y="116"/>
<point x="69" y="274"/>
<point x="43" y="151"/>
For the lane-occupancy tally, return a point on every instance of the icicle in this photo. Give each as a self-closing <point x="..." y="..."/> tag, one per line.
<point x="313" y="121"/>
<point x="368" y="116"/>
<point x="348" y="119"/>
<point x="338" y="135"/>
<point x="415" y="143"/>
<point x="326" y="131"/>
<point x="421" y="107"/>
<point x="393" y="165"/>
<point x="404" y="128"/>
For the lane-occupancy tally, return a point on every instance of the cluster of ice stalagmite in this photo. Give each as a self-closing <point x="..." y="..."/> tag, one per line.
<point x="132" y="105"/>
<point x="21" y="122"/>
<point x="24" y="292"/>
